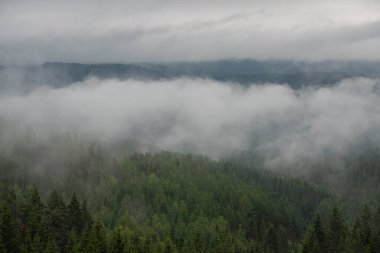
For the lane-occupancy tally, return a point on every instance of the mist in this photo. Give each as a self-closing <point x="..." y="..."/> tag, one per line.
<point x="207" y="117"/>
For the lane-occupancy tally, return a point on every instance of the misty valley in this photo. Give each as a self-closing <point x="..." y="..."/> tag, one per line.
<point x="213" y="156"/>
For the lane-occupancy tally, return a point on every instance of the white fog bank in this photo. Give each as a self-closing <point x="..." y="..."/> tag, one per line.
<point x="208" y="117"/>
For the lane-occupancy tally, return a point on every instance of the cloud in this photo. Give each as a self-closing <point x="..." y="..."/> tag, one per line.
<point x="156" y="31"/>
<point x="208" y="117"/>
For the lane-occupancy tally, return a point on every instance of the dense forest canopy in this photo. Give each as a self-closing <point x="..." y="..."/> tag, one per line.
<point x="71" y="193"/>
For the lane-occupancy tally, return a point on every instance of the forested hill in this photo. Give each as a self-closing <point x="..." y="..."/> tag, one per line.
<point x="295" y="74"/>
<point x="71" y="195"/>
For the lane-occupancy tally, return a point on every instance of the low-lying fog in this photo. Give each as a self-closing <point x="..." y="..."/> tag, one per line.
<point x="206" y="116"/>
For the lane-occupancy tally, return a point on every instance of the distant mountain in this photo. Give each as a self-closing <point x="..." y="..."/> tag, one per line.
<point x="296" y="74"/>
<point x="245" y="72"/>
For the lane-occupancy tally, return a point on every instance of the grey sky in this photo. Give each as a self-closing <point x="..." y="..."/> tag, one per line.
<point x="152" y="30"/>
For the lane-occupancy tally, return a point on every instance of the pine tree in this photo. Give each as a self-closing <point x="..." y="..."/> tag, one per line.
<point x="75" y="215"/>
<point x="365" y="231"/>
<point x="37" y="246"/>
<point x="51" y="247"/>
<point x="374" y="244"/>
<point x="117" y="243"/>
<point x="336" y="233"/>
<point x="85" y="244"/>
<point x="319" y="231"/>
<point x="283" y="244"/>
<point x="375" y="238"/>
<point x="55" y="201"/>
<point x="72" y="243"/>
<point x="58" y="228"/>
<point x="36" y="202"/>
<point x="135" y="246"/>
<point x="271" y="240"/>
<point x="169" y="246"/>
<point x="35" y="222"/>
<point x="86" y="217"/>
<point x="2" y="249"/>
<point x="310" y="244"/>
<point x="314" y="241"/>
<point x="10" y="234"/>
<point x="356" y="239"/>
<point x="98" y="237"/>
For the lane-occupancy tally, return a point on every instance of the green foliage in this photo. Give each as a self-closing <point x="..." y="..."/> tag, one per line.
<point x="51" y="247"/>
<point x="336" y="233"/>
<point x="10" y="234"/>
<point x="170" y="202"/>
<point x="315" y="241"/>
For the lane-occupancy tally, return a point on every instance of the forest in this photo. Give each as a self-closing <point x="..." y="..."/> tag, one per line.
<point x="70" y="194"/>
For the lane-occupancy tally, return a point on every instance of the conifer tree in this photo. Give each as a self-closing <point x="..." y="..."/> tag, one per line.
<point x="51" y="247"/>
<point x="98" y="238"/>
<point x="10" y="234"/>
<point x="2" y="249"/>
<point x="85" y="243"/>
<point x="319" y="231"/>
<point x="169" y="246"/>
<point x="37" y="245"/>
<point x="356" y="239"/>
<point x="117" y="243"/>
<point x="271" y="241"/>
<point x="283" y="244"/>
<point x="58" y="227"/>
<point x="365" y="231"/>
<point x="75" y="215"/>
<point x="86" y="216"/>
<point x="375" y="239"/>
<point x="336" y="233"/>
<point x="315" y="241"/>
<point x="310" y="244"/>
<point x="72" y="243"/>
<point x="36" y="202"/>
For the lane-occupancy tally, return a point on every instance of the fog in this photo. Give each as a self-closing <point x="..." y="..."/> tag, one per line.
<point x="206" y="116"/>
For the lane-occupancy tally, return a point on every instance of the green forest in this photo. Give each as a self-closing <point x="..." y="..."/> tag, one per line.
<point x="69" y="194"/>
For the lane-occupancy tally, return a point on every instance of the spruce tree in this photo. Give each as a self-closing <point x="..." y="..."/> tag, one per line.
<point x="10" y="233"/>
<point x="2" y="249"/>
<point x="319" y="231"/>
<point x="336" y="233"/>
<point x="37" y="245"/>
<point x="75" y="215"/>
<point x="314" y="241"/>
<point x="98" y="238"/>
<point x="72" y="243"/>
<point x="169" y="246"/>
<point x="58" y="227"/>
<point x="375" y="238"/>
<point x="356" y="237"/>
<point x="86" y="216"/>
<point x="36" y="202"/>
<point x="51" y="247"/>
<point x="365" y="231"/>
<point x="85" y="243"/>
<point x="310" y="244"/>
<point x="117" y="243"/>
<point x="271" y="240"/>
<point x="283" y="244"/>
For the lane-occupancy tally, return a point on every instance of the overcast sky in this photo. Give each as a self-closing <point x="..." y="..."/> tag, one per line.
<point x="167" y="30"/>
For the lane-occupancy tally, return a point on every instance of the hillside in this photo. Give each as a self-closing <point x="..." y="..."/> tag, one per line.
<point x="164" y="202"/>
